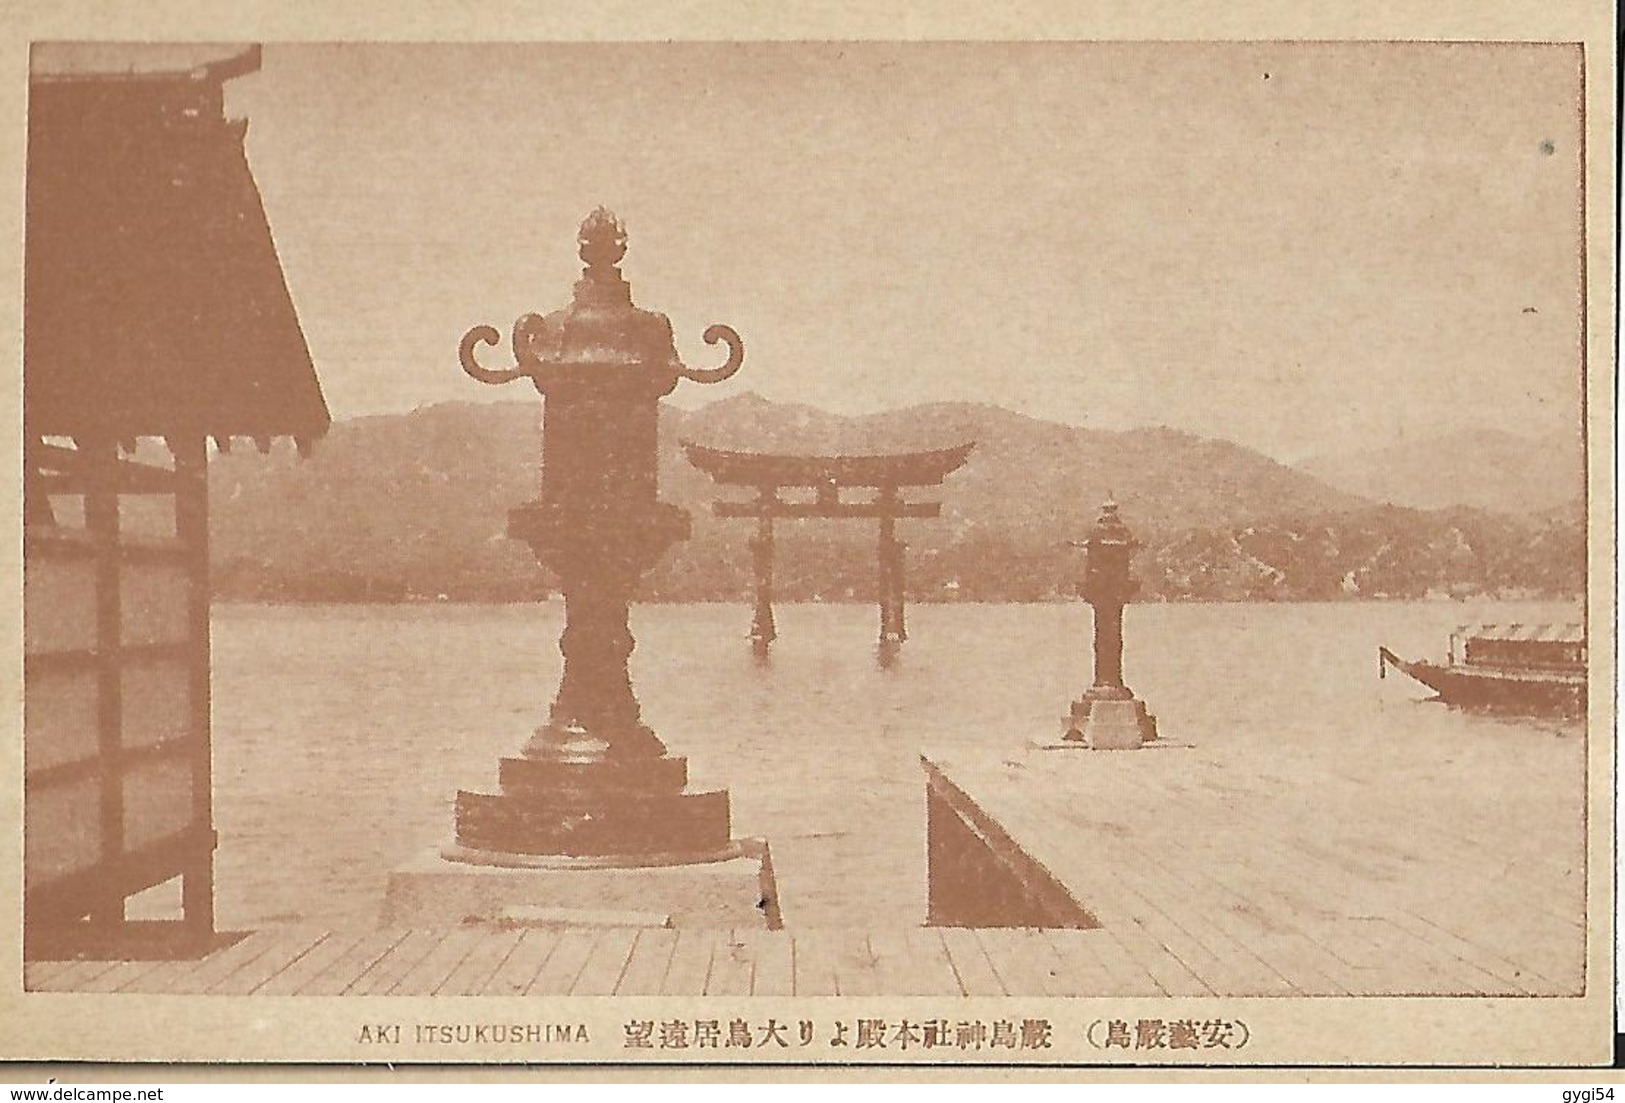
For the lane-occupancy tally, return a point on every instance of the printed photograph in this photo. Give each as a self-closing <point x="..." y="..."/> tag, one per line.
<point x="990" y="523"/>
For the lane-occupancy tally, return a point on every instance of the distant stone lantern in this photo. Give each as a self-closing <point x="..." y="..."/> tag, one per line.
<point x="1108" y="716"/>
<point x="594" y="781"/>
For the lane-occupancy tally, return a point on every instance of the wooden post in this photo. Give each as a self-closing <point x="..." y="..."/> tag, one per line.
<point x="889" y="554"/>
<point x="102" y="524"/>
<point x="36" y="502"/>
<point x="191" y="454"/>
<point x="898" y="548"/>
<point x="762" y="629"/>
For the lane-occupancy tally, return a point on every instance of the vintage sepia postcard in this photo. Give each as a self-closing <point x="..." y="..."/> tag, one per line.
<point x="908" y="539"/>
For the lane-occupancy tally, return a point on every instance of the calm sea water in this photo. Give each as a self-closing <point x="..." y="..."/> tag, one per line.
<point x="342" y="732"/>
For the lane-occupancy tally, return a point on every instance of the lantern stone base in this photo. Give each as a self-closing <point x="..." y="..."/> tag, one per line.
<point x="604" y="809"/>
<point x="1110" y="723"/>
<point x="731" y="887"/>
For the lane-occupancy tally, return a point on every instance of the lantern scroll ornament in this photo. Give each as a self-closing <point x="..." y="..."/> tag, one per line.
<point x="594" y="781"/>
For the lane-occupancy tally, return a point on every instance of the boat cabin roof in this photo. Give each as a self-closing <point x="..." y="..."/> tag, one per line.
<point x="1560" y="632"/>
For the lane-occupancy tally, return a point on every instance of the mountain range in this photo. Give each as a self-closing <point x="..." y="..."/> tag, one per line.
<point x="1486" y="469"/>
<point x="395" y="507"/>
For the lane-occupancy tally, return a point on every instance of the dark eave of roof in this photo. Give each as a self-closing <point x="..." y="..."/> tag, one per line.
<point x="105" y="62"/>
<point x="154" y="300"/>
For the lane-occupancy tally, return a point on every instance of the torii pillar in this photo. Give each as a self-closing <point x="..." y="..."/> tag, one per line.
<point x="890" y="557"/>
<point x="762" y="629"/>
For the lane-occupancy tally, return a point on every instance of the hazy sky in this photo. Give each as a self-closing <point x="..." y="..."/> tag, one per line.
<point x="1299" y="247"/>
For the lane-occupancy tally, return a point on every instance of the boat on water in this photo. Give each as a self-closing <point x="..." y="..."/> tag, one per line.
<point x="1540" y="667"/>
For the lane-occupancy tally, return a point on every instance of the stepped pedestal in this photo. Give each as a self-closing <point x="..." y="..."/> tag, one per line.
<point x="732" y="887"/>
<point x="584" y="841"/>
<point x="594" y="808"/>
<point x="1112" y="723"/>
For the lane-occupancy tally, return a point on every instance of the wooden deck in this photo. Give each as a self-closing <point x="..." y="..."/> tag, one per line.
<point x="1269" y="871"/>
<point x="473" y="961"/>
<point x="1281" y="875"/>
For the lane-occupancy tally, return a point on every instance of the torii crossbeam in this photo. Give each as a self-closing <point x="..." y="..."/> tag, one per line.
<point x="829" y="477"/>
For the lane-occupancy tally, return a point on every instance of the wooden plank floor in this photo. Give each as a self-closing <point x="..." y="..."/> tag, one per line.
<point x="1293" y="875"/>
<point x="1268" y="873"/>
<point x="465" y="961"/>
<point x="1157" y="940"/>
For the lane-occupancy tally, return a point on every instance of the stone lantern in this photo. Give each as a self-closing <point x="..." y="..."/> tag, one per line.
<point x="594" y="781"/>
<point x="1108" y="716"/>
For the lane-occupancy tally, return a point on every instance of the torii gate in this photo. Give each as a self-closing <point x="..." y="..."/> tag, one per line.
<point x="828" y="477"/>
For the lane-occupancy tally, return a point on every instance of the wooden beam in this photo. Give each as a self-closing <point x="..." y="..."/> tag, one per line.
<point x="67" y="544"/>
<point x="896" y="469"/>
<point x="90" y="658"/>
<point x="126" y="759"/>
<point x="135" y="479"/>
<point x="827" y="509"/>
<point x="70" y="471"/>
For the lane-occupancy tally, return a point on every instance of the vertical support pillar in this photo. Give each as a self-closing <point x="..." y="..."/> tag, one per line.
<point x="898" y="588"/>
<point x="192" y="530"/>
<point x="890" y="555"/>
<point x="102" y="524"/>
<point x="1108" y="650"/>
<point x="762" y="629"/>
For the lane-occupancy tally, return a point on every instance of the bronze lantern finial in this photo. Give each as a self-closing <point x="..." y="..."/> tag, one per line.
<point x="602" y="239"/>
